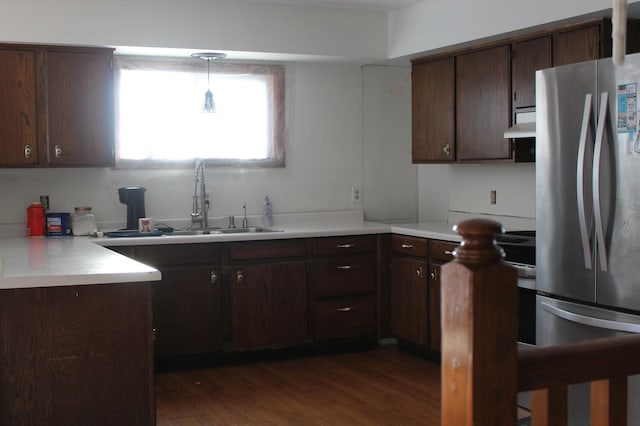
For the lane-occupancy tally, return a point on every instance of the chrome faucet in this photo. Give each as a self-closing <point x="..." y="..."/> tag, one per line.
<point x="200" y="211"/>
<point x="245" y="222"/>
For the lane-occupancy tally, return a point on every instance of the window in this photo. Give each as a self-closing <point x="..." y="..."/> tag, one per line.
<point x="160" y="118"/>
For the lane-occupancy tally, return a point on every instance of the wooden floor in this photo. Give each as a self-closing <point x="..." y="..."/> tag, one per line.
<point x="379" y="387"/>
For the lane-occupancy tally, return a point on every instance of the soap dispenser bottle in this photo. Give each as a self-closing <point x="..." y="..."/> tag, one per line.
<point x="267" y="216"/>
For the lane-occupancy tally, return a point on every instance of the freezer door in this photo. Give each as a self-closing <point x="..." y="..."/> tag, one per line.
<point x="617" y="187"/>
<point x="564" y="322"/>
<point x="566" y="107"/>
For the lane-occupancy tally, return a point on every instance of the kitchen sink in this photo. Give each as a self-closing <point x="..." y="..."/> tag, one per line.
<point x="246" y="230"/>
<point x="213" y="231"/>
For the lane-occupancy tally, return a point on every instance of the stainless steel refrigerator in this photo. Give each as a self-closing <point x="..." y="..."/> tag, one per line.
<point x="588" y="209"/>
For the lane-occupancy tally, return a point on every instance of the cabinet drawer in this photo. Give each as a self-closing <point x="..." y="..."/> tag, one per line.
<point x="268" y="249"/>
<point x="344" y="245"/>
<point x="344" y="277"/>
<point x="348" y="318"/>
<point x="178" y="254"/>
<point x="409" y="245"/>
<point x="442" y="250"/>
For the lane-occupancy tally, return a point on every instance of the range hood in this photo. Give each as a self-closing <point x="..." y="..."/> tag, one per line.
<point x="525" y="126"/>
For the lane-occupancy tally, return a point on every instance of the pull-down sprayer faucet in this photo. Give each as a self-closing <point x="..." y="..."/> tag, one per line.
<point x="200" y="211"/>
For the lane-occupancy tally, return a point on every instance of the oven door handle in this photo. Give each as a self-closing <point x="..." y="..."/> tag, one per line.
<point x="591" y="321"/>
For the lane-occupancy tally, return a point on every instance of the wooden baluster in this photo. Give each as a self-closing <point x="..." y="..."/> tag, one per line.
<point x="479" y="331"/>
<point x="609" y="402"/>
<point x="549" y="406"/>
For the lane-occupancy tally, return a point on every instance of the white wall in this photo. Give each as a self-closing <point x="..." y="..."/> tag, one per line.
<point x="390" y="180"/>
<point x="324" y="138"/>
<point x="434" y="24"/>
<point x="198" y="25"/>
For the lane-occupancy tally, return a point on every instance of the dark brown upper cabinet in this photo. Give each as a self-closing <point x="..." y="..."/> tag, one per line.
<point x="483" y="91"/>
<point x="528" y="56"/>
<point x="57" y="106"/>
<point x="433" y="106"/>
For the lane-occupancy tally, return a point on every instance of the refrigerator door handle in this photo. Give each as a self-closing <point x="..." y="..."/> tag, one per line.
<point x="597" y="159"/>
<point x="582" y="150"/>
<point x="591" y="321"/>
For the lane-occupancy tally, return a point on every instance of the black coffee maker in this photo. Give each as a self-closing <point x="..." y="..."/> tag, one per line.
<point x="133" y="197"/>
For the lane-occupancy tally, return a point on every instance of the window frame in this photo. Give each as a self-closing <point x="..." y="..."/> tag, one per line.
<point x="274" y="74"/>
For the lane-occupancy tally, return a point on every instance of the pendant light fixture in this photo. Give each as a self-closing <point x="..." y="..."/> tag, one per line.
<point x="209" y="103"/>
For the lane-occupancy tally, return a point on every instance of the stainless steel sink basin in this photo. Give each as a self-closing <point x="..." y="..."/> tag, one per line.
<point x="213" y="231"/>
<point x="246" y="230"/>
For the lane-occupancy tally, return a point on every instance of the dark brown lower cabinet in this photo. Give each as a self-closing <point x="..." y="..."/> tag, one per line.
<point x="409" y="299"/>
<point x="268" y="305"/>
<point x="77" y="355"/>
<point x="187" y="311"/>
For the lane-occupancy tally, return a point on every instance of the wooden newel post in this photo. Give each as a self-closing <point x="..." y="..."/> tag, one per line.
<point x="479" y="331"/>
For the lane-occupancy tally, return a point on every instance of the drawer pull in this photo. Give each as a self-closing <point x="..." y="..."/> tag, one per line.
<point x="433" y="275"/>
<point x="419" y="272"/>
<point x="345" y="267"/>
<point x="58" y="151"/>
<point x="214" y="277"/>
<point x="449" y="252"/>
<point x="239" y="277"/>
<point x="407" y="246"/>
<point x="27" y="151"/>
<point x="346" y="309"/>
<point x="348" y="245"/>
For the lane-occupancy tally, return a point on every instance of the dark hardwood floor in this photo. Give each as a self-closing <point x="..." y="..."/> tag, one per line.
<point x="384" y="386"/>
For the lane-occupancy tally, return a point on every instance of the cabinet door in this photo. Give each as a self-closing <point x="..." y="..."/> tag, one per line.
<point x="432" y="109"/>
<point x="18" y="140"/>
<point x="79" y="108"/>
<point x="435" y="327"/>
<point x="528" y="57"/>
<point x="576" y="46"/>
<point x="187" y="311"/>
<point x="482" y="104"/>
<point x="409" y="299"/>
<point x="268" y="305"/>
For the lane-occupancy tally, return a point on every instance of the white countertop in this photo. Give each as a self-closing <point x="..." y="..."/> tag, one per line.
<point x="61" y="261"/>
<point x="57" y="261"/>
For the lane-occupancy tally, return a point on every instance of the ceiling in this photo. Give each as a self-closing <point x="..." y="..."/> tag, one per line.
<point x="375" y="5"/>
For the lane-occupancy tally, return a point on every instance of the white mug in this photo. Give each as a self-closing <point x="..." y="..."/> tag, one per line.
<point x="146" y="224"/>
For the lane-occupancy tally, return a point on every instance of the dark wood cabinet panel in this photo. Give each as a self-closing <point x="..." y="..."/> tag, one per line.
<point x="435" y="326"/>
<point x="349" y="318"/>
<point x="348" y="276"/>
<point x="338" y="246"/>
<point x="78" y="355"/>
<point x="255" y="250"/>
<point x="528" y="57"/>
<point x="410" y="246"/>
<point x="482" y="104"/>
<point x="79" y="111"/>
<point x="18" y="120"/>
<point x="268" y="305"/>
<point x="432" y="106"/>
<point x="577" y="45"/>
<point x="187" y="311"/>
<point x="409" y="299"/>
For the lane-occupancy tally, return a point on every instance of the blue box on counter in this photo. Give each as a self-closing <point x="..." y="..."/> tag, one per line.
<point x="58" y="224"/>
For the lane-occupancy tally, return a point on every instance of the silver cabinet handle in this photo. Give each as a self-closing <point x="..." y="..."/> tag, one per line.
<point x="597" y="207"/>
<point x="407" y="246"/>
<point x="27" y="151"/>
<point x="582" y="149"/>
<point x="433" y="275"/>
<point x="58" y="151"/>
<point x="214" y="277"/>
<point x="239" y="277"/>
<point x="591" y="321"/>
<point x="344" y="267"/>
<point x="345" y="309"/>
<point x="349" y="245"/>
<point x="449" y="252"/>
<point x="447" y="149"/>
<point x="419" y="272"/>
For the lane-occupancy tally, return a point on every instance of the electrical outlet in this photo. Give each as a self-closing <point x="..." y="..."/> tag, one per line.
<point x="356" y="195"/>
<point x="492" y="196"/>
<point x="44" y="200"/>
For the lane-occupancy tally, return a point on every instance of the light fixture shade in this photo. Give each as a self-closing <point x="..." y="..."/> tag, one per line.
<point x="209" y="104"/>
